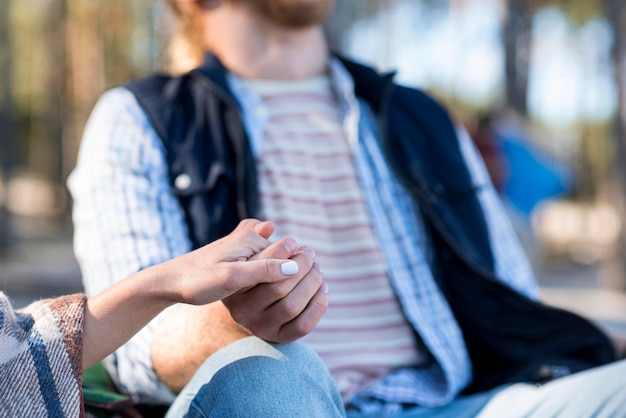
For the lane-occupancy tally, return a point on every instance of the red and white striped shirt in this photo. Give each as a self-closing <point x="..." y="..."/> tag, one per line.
<point x="309" y="188"/>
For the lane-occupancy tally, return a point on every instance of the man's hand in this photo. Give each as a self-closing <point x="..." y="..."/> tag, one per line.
<point x="285" y="311"/>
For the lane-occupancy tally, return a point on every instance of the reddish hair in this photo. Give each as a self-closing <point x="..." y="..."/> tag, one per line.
<point x="185" y="48"/>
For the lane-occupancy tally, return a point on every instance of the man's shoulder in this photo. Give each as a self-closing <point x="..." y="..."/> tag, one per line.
<point x="376" y="87"/>
<point x="416" y="98"/>
<point x="158" y="95"/>
<point x="151" y="85"/>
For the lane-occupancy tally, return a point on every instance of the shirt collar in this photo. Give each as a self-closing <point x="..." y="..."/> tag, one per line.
<point x="255" y="114"/>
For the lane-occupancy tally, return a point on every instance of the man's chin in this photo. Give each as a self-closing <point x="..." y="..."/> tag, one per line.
<point x="295" y="14"/>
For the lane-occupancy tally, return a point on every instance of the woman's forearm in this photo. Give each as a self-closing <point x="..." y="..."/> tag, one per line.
<point x="115" y="315"/>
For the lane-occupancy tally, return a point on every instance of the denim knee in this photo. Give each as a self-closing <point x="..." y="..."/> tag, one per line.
<point x="294" y="384"/>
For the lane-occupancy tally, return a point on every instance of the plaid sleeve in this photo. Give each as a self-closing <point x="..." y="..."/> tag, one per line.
<point x="41" y="357"/>
<point x="125" y="218"/>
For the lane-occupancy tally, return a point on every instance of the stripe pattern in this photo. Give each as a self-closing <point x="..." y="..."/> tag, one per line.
<point x="310" y="190"/>
<point x="41" y="358"/>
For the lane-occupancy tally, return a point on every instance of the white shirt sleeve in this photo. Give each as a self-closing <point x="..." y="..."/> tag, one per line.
<point x="511" y="263"/>
<point x="125" y="216"/>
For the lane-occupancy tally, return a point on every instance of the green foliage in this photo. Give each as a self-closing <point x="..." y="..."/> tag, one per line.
<point x="579" y="11"/>
<point x="64" y="54"/>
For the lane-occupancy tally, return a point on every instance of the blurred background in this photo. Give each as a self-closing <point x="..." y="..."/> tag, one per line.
<point x="539" y="84"/>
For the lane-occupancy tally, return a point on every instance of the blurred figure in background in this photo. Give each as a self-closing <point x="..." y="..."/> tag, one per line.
<point x="433" y="308"/>
<point x="489" y="147"/>
<point x="523" y="174"/>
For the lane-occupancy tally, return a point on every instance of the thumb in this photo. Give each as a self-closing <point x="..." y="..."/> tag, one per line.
<point x="263" y="228"/>
<point x="247" y="224"/>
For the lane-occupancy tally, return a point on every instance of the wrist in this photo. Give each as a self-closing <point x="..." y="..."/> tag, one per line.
<point x="157" y="284"/>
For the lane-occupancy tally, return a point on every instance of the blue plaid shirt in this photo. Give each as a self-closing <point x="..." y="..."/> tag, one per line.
<point x="126" y="219"/>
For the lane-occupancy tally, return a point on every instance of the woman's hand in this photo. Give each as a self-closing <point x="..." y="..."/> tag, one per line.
<point x="226" y="266"/>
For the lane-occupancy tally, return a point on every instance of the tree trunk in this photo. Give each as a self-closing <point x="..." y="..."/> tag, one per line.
<point x="58" y="111"/>
<point x="335" y="25"/>
<point x="616" y="12"/>
<point x="517" y="41"/>
<point x="7" y="128"/>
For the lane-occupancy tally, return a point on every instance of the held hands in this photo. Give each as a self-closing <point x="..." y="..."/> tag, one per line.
<point x="224" y="267"/>
<point x="227" y="267"/>
<point x="276" y="290"/>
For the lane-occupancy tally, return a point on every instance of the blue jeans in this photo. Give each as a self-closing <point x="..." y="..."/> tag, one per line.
<point x="252" y="378"/>
<point x="599" y="392"/>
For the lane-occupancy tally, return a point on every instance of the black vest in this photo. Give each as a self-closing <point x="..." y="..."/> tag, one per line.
<point x="508" y="336"/>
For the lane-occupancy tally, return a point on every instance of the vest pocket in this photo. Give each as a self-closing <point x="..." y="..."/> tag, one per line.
<point x="192" y="182"/>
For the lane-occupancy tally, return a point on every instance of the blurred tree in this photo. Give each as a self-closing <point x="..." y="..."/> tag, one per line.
<point x="345" y="14"/>
<point x="616" y="12"/>
<point x="56" y="59"/>
<point x="99" y="48"/>
<point x="517" y="41"/>
<point x="85" y="75"/>
<point x="56" y="111"/>
<point x="7" y="131"/>
<point x="578" y="11"/>
<point x="516" y="38"/>
<point x="91" y="46"/>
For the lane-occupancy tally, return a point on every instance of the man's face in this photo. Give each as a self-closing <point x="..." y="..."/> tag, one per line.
<point x="293" y="13"/>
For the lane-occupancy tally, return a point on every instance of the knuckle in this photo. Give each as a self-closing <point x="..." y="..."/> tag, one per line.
<point x="278" y="290"/>
<point x="304" y="327"/>
<point x="244" y="223"/>
<point x="230" y="280"/>
<point x="317" y="308"/>
<point x="269" y="273"/>
<point x="243" y="234"/>
<point x="290" y="309"/>
<point x="320" y="305"/>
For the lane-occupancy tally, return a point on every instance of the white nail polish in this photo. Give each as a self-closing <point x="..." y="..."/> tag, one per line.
<point x="289" y="268"/>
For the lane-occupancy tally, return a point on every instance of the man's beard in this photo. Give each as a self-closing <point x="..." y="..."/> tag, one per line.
<point x="295" y="14"/>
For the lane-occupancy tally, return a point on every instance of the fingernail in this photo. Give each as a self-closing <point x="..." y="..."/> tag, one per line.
<point x="309" y="250"/>
<point x="289" y="268"/>
<point x="317" y="267"/>
<point x="324" y="288"/>
<point x="291" y="246"/>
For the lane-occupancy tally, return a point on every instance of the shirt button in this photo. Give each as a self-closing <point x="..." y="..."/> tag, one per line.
<point x="183" y="181"/>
